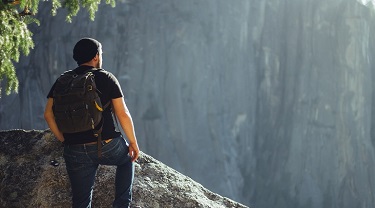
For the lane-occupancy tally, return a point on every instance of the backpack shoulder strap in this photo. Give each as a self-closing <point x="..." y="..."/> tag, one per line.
<point x="68" y="72"/>
<point x="106" y="105"/>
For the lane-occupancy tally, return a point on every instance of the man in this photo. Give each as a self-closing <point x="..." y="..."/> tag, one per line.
<point x="81" y="149"/>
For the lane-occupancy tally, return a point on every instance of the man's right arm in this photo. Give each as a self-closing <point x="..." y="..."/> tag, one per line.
<point x="50" y="119"/>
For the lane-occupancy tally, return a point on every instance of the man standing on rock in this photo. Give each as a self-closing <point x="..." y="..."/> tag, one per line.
<point x="81" y="148"/>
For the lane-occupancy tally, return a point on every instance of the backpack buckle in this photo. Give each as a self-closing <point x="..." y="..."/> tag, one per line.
<point x="89" y="87"/>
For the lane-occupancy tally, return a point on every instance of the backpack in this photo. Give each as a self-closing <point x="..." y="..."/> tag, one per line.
<point x="77" y="106"/>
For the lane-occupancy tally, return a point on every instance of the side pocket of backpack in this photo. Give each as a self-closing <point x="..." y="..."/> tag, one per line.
<point x="95" y="110"/>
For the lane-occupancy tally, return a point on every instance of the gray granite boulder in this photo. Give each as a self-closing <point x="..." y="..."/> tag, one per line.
<point x="29" y="179"/>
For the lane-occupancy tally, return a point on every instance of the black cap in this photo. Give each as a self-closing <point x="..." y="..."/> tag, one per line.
<point x="85" y="50"/>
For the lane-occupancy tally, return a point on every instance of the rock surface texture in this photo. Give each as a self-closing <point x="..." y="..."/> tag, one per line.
<point x="267" y="102"/>
<point x="29" y="179"/>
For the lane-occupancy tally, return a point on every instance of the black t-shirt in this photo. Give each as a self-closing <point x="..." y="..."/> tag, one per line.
<point x="109" y="89"/>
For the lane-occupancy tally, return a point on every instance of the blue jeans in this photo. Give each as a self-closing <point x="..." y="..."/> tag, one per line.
<point x="82" y="162"/>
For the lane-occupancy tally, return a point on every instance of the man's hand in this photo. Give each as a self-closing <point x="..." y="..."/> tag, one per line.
<point x="133" y="151"/>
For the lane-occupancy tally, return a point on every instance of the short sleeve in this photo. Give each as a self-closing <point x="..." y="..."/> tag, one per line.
<point x="115" y="90"/>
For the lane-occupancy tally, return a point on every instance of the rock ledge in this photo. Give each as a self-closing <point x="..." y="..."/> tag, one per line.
<point x="28" y="178"/>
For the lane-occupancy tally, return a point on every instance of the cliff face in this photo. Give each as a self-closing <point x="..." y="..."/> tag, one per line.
<point x="29" y="179"/>
<point x="272" y="99"/>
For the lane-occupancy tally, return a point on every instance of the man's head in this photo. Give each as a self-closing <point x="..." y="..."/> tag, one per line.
<point x="87" y="50"/>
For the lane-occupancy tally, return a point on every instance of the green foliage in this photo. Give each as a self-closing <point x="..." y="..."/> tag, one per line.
<point x="73" y="7"/>
<point x="16" y="38"/>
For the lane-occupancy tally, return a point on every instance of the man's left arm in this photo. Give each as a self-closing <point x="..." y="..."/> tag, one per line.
<point x="126" y="122"/>
<point x="50" y="119"/>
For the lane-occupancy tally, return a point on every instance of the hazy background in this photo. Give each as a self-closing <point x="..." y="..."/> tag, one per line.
<point x="267" y="102"/>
